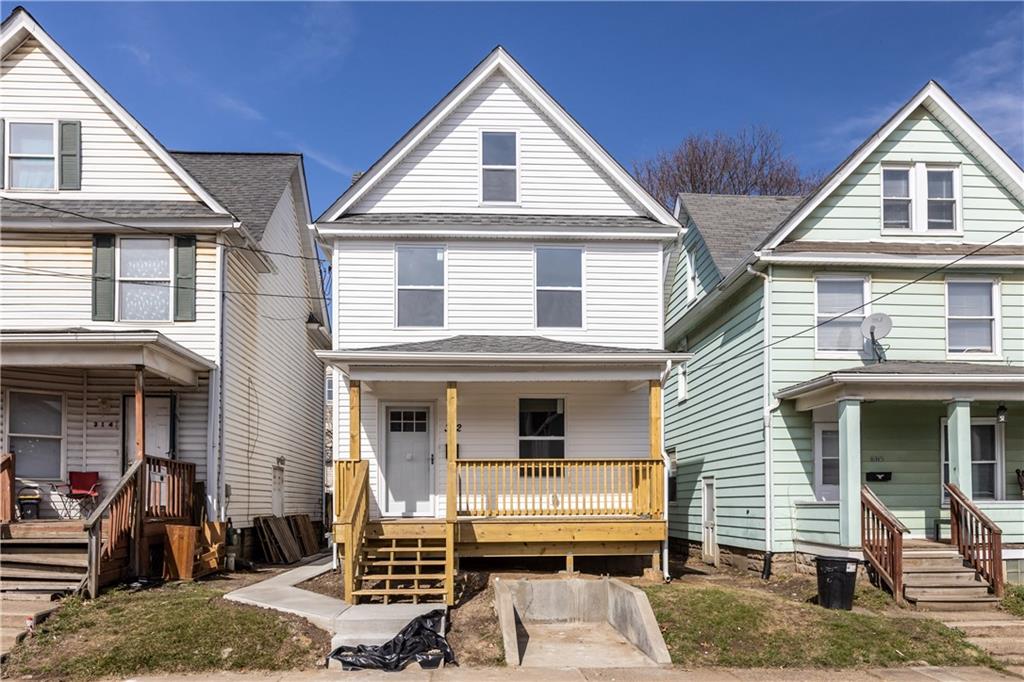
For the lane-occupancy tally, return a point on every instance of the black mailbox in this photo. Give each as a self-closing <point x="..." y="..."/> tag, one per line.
<point x="878" y="476"/>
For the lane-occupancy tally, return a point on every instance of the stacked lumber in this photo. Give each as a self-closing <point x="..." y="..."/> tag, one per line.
<point x="285" y="540"/>
<point x="194" y="551"/>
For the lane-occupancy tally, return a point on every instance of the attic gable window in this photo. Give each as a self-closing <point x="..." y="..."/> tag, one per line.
<point x="920" y="198"/>
<point x="499" y="182"/>
<point x="31" y="156"/>
<point x="896" y="201"/>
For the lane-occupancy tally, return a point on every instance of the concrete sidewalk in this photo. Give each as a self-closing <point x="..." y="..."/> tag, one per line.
<point x="279" y="593"/>
<point x="910" y="674"/>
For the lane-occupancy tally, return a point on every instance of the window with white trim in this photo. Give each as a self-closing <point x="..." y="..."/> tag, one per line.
<point x="971" y="316"/>
<point x="35" y="434"/>
<point x="841" y="304"/>
<point x="920" y="198"/>
<point x="499" y="167"/>
<point x="419" y="286"/>
<point x="559" y="286"/>
<point x="987" y="453"/>
<point x="541" y="428"/>
<point x="31" y="155"/>
<point x="673" y="475"/>
<point x="682" y="383"/>
<point x="826" y="461"/>
<point x="329" y="388"/>
<point x="691" y="277"/>
<point x="145" y="279"/>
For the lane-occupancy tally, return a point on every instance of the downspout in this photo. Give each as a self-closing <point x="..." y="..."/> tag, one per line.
<point x="666" y="467"/>
<point x="766" y="416"/>
<point x="217" y="386"/>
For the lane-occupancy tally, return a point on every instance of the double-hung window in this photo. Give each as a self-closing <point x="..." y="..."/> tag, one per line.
<point x="35" y="434"/>
<point x="499" y="181"/>
<point x="971" y="316"/>
<point x="31" y="156"/>
<point x="920" y="198"/>
<point x="559" y="286"/>
<point x="541" y="428"/>
<point x="986" y="459"/>
<point x="691" y="277"/>
<point x="826" y="461"/>
<point x="145" y="279"/>
<point x="841" y="304"/>
<point x="420" y="286"/>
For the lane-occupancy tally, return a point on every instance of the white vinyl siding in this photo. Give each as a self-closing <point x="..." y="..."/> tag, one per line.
<point x="48" y="277"/>
<point x="443" y="173"/>
<point x="490" y="290"/>
<point x="116" y="165"/>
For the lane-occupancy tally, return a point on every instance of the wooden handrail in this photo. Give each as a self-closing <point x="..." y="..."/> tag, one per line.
<point x="125" y="480"/>
<point x="882" y="541"/>
<point x="123" y="508"/>
<point x="978" y="539"/>
<point x="7" y="487"/>
<point x="352" y="522"/>
<point x="170" y="488"/>
<point x="560" y="487"/>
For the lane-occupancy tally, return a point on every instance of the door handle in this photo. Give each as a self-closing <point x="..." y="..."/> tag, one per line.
<point x="431" y="458"/>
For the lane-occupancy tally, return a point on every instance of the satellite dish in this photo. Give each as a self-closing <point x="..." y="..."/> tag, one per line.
<point x="876" y="326"/>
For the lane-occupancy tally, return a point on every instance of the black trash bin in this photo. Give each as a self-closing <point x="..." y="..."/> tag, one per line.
<point x="837" y="578"/>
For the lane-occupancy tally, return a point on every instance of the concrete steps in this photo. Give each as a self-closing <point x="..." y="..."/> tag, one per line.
<point x="997" y="632"/>
<point x="17" y="614"/>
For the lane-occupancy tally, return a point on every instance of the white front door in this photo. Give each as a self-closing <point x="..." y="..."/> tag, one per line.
<point x="157" y="421"/>
<point x="408" y="475"/>
<point x="709" y="534"/>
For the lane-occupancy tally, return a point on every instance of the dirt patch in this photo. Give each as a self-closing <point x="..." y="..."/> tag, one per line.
<point x="475" y="634"/>
<point x="327" y="584"/>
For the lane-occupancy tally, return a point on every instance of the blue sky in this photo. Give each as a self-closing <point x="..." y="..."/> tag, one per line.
<point x="341" y="82"/>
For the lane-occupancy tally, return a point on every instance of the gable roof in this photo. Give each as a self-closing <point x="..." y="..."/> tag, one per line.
<point x="498" y="59"/>
<point x="103" y="209"/>
<point x="250" y="185"/>
<point x="954" y="117"/>
<point x="733" y="225"/>
<point x="20" y="25"/>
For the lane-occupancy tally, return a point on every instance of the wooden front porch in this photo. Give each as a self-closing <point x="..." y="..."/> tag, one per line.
<point x="498" y="508"/>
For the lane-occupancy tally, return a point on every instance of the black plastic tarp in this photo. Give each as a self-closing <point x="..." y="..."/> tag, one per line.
<point x="419" y="642"/>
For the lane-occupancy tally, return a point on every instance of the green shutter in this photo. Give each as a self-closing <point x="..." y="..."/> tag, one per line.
<point x="103" y="277"/>
<point x="184" y="279"/>
<point x="70" y="158"/>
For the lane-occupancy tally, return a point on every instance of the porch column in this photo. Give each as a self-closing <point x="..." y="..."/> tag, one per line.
<point x="849" y="472"/>
<point x="958" y="413"/>
<point x="656" y="488"/>
<point x="140" y="413"/>
<point x="354" y="428"/>
<point x="451" y="488"/>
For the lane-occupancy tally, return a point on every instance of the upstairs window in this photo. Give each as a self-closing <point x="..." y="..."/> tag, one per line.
<point x="541" y="428"/>
<point x="420" y="286"/>
<point x="841" y="307"/>
<point x="144" y="279"/>
<point x="559" y="286"/>
<point x="31" y="156"/>
<point x="920" y="199"/>
<point x="971" y="316"/>
<point x="499" y="174"/>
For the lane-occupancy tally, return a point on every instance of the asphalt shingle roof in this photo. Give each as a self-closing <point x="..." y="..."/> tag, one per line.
<point x="496" y="220"/>
<point x="919" y="367"/>
<point x="248" y="184"/>
<point x="900" y="249"/>
<point x="733" y="225"/>
<point x="499" y="344"/>
<point x="110" y="209"/>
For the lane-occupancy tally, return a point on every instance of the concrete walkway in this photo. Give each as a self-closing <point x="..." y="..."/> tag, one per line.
<point x="279" y="593"/>
<point x="914" y="674"/>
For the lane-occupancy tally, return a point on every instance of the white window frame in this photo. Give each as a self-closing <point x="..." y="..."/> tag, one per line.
<point x="996" y="318"/>
<point x="63" y="428"/>
<point x="581" y="288"/>
<point x="516" y="167"/>
<point x="822" y="492"/>
<point x="1000" y="463"/>
<point x="919" y="200"/>
<point x="9" y="176"/>
<point x="565" y="418"/>
<point x="329" y="388"/>
<point x="909" y="168"/>
<point x="691" y="277"/>
<point x="443" y="287"/>
<point x="866" y="310"/>
<point x="118" y="279"/>
<point x="682" y="383"/>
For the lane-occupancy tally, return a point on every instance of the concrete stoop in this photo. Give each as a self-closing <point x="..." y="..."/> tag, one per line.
<point x="375" y="624"/>
<point x="18" y="613"/>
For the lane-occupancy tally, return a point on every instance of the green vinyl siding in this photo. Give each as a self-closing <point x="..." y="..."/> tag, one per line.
<point x="717" y="431"/>
<point x="816" y="522"/>
<point x="707" y="274"/>
<point x="854" y="211"/>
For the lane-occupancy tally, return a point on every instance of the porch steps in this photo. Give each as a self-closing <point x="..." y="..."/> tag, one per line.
<point x="42" y="557"/>
<point x="936" y="578"/>
<point x="997" y="632"/>
<point x="17" y="613"/>
<point x="402" y="562"/>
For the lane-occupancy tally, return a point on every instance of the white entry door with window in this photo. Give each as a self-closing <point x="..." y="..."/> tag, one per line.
<point x="157" y="422"/>
<point x="408" y="474"/>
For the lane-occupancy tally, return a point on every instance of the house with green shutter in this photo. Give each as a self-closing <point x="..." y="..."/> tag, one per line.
<point x="159" y="313"/>
<point x="857" y="381"/>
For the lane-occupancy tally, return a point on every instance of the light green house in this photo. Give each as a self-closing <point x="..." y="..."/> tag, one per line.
<point x="786" y="411"/>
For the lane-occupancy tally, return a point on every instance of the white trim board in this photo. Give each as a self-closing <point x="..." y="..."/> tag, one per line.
<point x="498" y="59"/>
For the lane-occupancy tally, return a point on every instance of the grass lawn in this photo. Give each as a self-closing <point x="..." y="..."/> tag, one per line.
<point x="1014" y="600"/>
<point x="706" y="624"/>
<point x="176" y="628"/>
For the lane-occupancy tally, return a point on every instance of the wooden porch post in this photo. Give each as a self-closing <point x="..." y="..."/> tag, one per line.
<point x="849" y="472"/>
<point x="654" y="407"/>
<point x="140" y="413"/>
<point x="354" y="427"/>
<point x="452" y="485"/>
<point x="656" y="484"/>
<point x="958" y="424"/>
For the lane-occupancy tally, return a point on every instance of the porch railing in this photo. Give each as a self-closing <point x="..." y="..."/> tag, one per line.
<point x="170" y="488"/>
<point x="350" y="524"/>
<point x="560" y="487"/>
<point x="977" y="538"/>
<point x="882" y="541"/>
<point x="344" y="483"/>
<point x="7" y="487"/>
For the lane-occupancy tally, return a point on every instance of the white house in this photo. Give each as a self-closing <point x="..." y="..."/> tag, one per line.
<point x="498" y="351"/>
<point x="183" y="284"/>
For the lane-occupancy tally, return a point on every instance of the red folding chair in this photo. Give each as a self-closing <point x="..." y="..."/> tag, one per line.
<point x="82" y="488"/>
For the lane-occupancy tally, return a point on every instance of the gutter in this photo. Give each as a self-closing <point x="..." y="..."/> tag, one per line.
<point x="860" y="378"/>
<point x="400" y="358"/>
